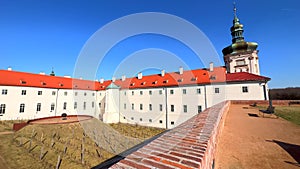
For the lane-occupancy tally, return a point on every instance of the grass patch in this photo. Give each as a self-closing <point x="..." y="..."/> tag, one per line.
<point x="39" y="146"/>
<point x="290" y="113"/>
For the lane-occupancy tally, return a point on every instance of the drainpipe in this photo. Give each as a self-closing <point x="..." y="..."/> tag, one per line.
<point x="205" y="97"/>
<point x="166" y="105"/>
<point x="56" y="102"/>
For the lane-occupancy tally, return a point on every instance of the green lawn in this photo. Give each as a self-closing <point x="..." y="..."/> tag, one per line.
<point x="290" y="113"/>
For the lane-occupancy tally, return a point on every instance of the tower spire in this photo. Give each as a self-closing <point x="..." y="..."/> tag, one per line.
<point x="234" y="10"/>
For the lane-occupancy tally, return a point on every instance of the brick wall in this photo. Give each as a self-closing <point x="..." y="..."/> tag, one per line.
<point x="190" y="145"/>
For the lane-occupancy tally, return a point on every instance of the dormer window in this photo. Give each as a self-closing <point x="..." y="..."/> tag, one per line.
<point x="143" y="83"/>
<point x="194" y="79"/>
<point x="61" y="84"/>
<point x="180" y="80"/>
<point x="213" y="77"/>
<point x="43" y="83"/>
<point x="165" y="81"/>
<point x="22" y="82"/>
<point x="154" y="82"/>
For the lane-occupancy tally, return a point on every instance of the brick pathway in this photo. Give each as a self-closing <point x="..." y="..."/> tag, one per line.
<point x="256" y="142"/>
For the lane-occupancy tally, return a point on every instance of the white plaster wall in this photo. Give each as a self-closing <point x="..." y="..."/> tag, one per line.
<point x="13" y="99"/>
<point x="112" y="102"/>
<point x="255" y="91"/>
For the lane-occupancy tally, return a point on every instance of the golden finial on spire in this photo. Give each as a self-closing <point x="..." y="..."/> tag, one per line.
<point x="234" y="9"/>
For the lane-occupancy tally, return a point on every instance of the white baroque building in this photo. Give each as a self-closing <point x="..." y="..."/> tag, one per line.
<point x="161" y="100"/>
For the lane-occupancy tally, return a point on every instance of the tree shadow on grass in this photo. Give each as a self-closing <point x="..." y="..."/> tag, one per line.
<point x="292" y="149"/>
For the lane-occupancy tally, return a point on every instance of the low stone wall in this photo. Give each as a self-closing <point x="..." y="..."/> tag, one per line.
<point x="264" y="102"/>
<point x="189" y="145"/>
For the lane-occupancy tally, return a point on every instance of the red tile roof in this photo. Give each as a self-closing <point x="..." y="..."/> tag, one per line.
<point x="243" y="76"/>
<point x="198" y="76"/>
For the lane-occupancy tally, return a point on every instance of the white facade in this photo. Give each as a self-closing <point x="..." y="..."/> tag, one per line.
<point x="164" y="107"/>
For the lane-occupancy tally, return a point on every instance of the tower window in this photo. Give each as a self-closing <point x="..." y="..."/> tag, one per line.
<point x="150" y="92"/>
<point x="150" y="107"/>
<point x="183" y="91"/>
<point x="240" y="62"/>
<point x="171" y="91"/>
<point x="40" y="92"/>
<point x="141" y="106"/>
<point x="160" y="92"/>
<point x="217" y="90"/>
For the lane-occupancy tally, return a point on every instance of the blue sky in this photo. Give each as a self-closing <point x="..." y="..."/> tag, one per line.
<point x="38" y="35"/>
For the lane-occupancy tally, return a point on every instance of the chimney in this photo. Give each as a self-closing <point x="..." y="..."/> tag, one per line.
<point x="42" y="73"/>
<point x="66" y="76"/>
<point x="211" y="66"/>
<point x="123" y="78"/>
<point x="180" y="70"/>
<point x="163" y="72"/>
<point x="101" y="80"/>
<point x="9" y="69"/>
<point x="140" y="76"/>
<point x="113" y="79"/>
<point x="80" y="78"/>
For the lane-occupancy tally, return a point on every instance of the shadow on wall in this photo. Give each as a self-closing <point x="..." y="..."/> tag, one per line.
<point x="292" y="149"/>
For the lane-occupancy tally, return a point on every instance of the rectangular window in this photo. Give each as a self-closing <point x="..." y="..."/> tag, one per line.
<point x="160" y="107"/>
<point x="141" y="106"/>
<point x="172" y="108"/>
<point x="198" y="91"/>
<point x="150" y="107"/>
<point x="124" y="106"/>
<point x="38" y="107"/>
<point x="240" y="62"/>
<point x="40" y="92"/>
<point x="132" y="106"/>
<point x="150" y="92"/>
<point x="4" y="91"/>
<point x="150" y="120"/>
<point x="171" y="91"/>
<point x="93" y="94"/>
<point x="217" y="90"/>
<point x="65" y="106"/>
<point x="124" y="93"/>
<point x="53" y="93"/>
<point x="160" y="92"/>
<point x="52" y="107"/>
<point x="84" y="105"/>
<point x="65" y="93"/>
<point x="99" y="105"/>
<point x="183" y="91"/>
<point x="75" y="105"/>
<point x="84" y="93"/>
<point x="132" y="93"/>
<point x="93" y="104"/>
<point x="22" y="108"/>
<point x="76" y="93"/>
<point x="245" y="89"/>
<point x="23" y="92"/>
<point x="2" y="109"/>
<point x="141" y="92"/>
<point x="184" y="108"/>
<point x="199" y="108"/>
